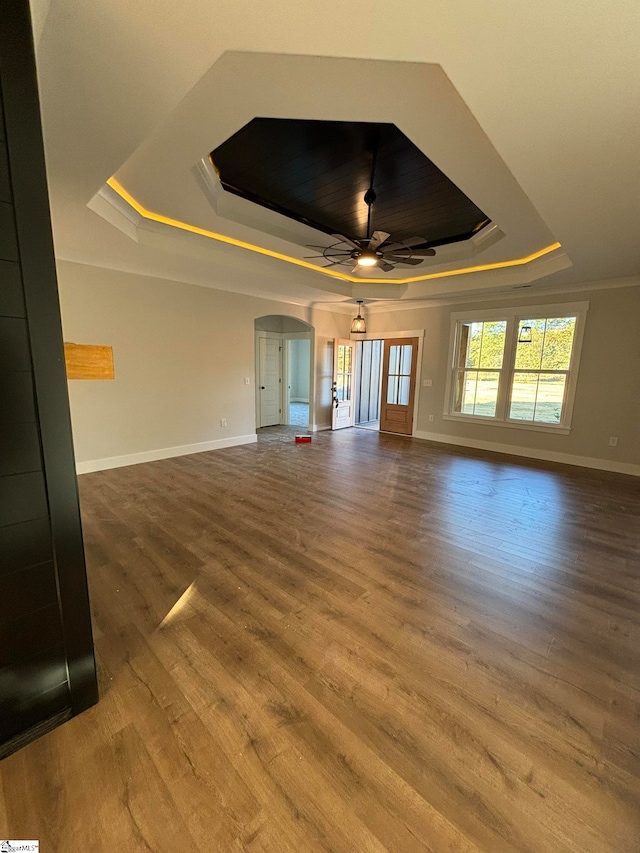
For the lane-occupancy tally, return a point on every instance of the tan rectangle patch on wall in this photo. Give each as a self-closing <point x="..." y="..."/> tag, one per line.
<point x="85" y="361"/>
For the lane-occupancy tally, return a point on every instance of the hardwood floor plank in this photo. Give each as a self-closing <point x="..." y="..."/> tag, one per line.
<point x="367" y="643"/>
<point x="389" y="807"/>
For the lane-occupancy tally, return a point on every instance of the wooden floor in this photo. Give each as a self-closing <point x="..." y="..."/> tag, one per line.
<point x="367" y="643"/>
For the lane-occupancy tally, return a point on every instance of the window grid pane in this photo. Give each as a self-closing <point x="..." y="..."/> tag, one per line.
<point x="493" y="340"/>
<point x="481" y="345"/>
<point x="538" y="397"/>
<point x="558" y="343"/>
<point x="477" y="392"/>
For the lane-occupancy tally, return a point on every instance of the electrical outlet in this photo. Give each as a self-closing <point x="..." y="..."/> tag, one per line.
<point x="431" y="419"/>
<point x="247" y="380"/>
<point x="427" y="383"/>
<point x="223" y="422"/>
<point x="613" y="441"/>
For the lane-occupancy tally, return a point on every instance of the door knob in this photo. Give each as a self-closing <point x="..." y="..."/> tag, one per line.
<point x="262" y="388"/>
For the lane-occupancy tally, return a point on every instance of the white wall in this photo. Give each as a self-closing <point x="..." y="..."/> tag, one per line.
<point x="181" y="355"/>
<point x="607" y="400"/>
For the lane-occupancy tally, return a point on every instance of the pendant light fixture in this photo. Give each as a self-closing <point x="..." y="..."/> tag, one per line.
<point x="526" y="335"/>
<point x="358" y="325"/>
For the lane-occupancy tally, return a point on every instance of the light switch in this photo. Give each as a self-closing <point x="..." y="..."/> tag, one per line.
<point x="427" y="383"/>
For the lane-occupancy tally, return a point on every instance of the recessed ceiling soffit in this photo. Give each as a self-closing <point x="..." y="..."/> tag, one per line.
<point x="479" y="212"/>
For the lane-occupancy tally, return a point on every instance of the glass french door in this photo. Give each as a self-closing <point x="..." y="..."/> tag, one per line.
<point x="343" y="388"/>
<point x="399" y="366"/>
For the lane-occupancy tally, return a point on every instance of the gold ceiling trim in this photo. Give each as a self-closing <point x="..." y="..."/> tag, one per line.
<point x="232" y="241"/>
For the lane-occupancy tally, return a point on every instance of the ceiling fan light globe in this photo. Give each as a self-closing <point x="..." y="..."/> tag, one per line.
<point x="367" y="259"/>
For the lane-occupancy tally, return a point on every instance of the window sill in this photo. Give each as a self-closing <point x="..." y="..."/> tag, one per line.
<point x="472" y="419"/>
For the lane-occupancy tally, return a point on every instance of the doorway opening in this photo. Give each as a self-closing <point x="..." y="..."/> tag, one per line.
<point x="375" y="387"/>
<point x="298" y="369"/>
<point x="284" y="372"/>
<point x="368" y="384"/>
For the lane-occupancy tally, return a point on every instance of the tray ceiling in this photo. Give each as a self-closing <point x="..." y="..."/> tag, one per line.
<point x="317" y="172"/>
<point x="527" y="112"/>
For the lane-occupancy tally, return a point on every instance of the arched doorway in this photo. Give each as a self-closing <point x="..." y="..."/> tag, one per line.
<point x="285" y="389"/>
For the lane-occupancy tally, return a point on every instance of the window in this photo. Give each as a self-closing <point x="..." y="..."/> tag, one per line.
<point x="516" y="369"/>
<point x="479" y="365"/>
<point x="539" y="382"/>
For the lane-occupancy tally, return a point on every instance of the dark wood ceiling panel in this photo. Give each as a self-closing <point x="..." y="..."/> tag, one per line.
<point x="317" y="172"/>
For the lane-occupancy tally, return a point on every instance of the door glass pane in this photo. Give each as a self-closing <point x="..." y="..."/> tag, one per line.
<point x="394" y="359"/>
<point x="403" y="390"/>
<point x="392" y="390"/>
<point x="343" y="375"/>
<point x="405" y="360"/>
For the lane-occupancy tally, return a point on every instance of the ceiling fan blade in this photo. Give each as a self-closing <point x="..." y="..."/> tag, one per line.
<point x="333" y="263"/>
<point x="348" y="241"/>
<point x="425" y="253"/>
<point x="377" y="239"/>
<point x="398" y="259"/>
<point x="414" y="241"/>
<point x="383" y="265"/>
<point x="338" y="257"/>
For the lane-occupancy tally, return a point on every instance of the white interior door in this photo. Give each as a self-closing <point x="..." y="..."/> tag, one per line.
<point x="343" y="390"/>
<point x="270" y="381"/>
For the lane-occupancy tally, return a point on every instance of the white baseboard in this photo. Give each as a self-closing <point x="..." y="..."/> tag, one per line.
<point x="162" y="453"/>
<point x="299" y="400"/>
<point x="533" y="453"/>
<point x="321" y="427"/>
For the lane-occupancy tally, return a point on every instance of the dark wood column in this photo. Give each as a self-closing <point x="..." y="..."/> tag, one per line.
<point x="47" y="667"/>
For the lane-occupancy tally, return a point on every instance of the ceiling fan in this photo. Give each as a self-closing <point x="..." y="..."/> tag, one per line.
<point x="373" y="250"/>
